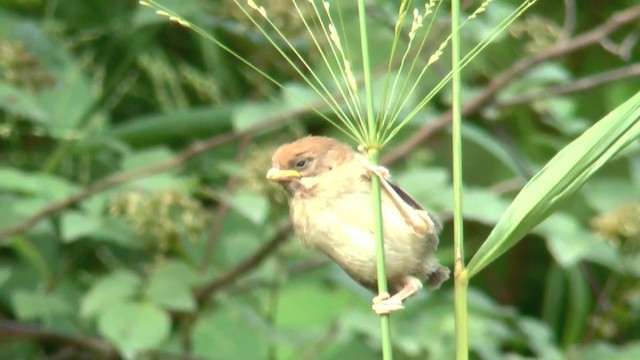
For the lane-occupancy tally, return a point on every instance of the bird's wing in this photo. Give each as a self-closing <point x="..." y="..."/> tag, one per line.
<point x="403" y="194"/>
<point x="419" y="218"/>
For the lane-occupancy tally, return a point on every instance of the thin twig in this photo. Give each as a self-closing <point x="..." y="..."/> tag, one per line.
<point x="218" y="221"/>
<point x="569" y="19"/>
<point x="489" y="92"/>
<point x="203" y="293"/>
<point x="575" y="86"/>
<point x="13" y="330"/>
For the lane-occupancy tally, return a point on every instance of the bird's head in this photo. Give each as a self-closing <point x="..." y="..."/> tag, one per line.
<point x="303" y="161"/>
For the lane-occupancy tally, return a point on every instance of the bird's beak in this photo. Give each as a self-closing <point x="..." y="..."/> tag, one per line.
<point x="278" y="175"/>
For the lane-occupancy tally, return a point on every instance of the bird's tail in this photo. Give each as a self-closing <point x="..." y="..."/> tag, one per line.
<point x="438" y="276"/>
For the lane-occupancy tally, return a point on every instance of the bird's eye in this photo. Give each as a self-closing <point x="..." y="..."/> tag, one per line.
<point x="301" y="164"/>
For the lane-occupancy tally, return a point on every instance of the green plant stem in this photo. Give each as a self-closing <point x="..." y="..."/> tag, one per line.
<point x="373" y="130"/>
<point x="376" y="198"/>
<point x="461" y="277"/>
<point x="461" y="285"/>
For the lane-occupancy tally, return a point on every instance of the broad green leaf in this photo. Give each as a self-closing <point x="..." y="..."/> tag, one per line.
<point x="75" y="224"/>
<point x="489" y="143"/>
<point x="352" y="349"/>
<point x="430" y="186"/>
<point x="295" y="94"/>
<point x="559" y="179"/>
<point x="5" y="274"/>
<point x="20" y="103"/>
<point x="602" y="350"/>
<point x="171" y="286"/>
<point x="483" y="205"/>
<point x="34" y="255"/>
<point x="598" y="194"/>
<point x="38" y="305"/>
<point x="141" y="159"/>
<point x="295" y="300"/>
<point x="134" y="327"/>
<point x="540" y="338"/>
<point x="69" y="101"/>
<point x="252" y="114"/>
<point x="34" y="183"/>
<point x="146" y="157"/>
<point x="570" y="243"/>
<point x="161" y="128"/>
<point x="228" y="334"/>
<point x="115" y="287"/>
<point x="251" y="205"/>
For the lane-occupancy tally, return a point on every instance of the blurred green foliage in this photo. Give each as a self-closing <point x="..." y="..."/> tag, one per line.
<point x="189" y="262"/>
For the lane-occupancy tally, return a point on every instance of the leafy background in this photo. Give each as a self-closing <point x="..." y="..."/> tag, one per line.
<point x="136" y="221"/>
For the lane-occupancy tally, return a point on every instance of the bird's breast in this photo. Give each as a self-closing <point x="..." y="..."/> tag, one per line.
<point x="342" y="226"/>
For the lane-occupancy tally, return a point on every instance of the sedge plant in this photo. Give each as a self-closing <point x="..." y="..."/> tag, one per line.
<point x="373" y="118"/>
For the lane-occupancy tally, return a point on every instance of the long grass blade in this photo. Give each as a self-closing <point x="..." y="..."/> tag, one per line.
<point x="560" y="178"/>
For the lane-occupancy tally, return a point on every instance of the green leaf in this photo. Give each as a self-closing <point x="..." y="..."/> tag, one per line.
<point x="251" y="205"/>
<point x="143" y="158"/>
<point x="295" y="94"/>
<point x="540" y="338"/>
<point x="34" y="183"/>
<point x="598" y="194"/>
<point x="75" y="225"/>
<point x="37" y="305"/>
<point x="437" y="195"/>
<point x="483" y="205"/>
<point x="162" y="128"/>
<point x="5" y="274"/>
<point x="601" y="350"/>
<point x="487" y="142"/>
<point x="570" y="243"/>
<point x="115" y="287"/>
<point x="229" y="334"/>
<point x="559" y="179"/>
<point x="134" y="327"/>
<point x="293" y="307"/>
<point x="22" y="104"/>
<point x="161" y="181"/>
<point x="68" y="102"/>
<point x="577" y="314"/>
<point x="171" y="286"/>
<point x="252" y="114"/>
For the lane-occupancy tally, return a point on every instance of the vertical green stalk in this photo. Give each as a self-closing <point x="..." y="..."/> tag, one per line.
<point x="461" y="278"/>
<point x="376" y="197"/>
<point x="372" y="136"/>
<point x="373" y="153"/>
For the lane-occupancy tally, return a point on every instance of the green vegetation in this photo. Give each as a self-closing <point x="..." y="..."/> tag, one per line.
<point x="137" y="223"/>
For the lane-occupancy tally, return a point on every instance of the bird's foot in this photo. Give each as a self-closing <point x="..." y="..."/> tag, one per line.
<point x="384" y="304"/>
<point x="378" y="170"/>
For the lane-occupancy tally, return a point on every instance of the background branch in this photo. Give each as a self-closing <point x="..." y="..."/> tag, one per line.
<point x="575" y="86"/>
<point x="11" y="330"/>
<point x="204" y="293"/>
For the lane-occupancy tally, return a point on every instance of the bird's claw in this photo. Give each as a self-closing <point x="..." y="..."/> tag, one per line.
<point x="384" y="304"/>
<point x="379" y="170"/>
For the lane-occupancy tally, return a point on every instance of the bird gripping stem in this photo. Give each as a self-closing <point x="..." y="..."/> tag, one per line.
<point x="376" y="197"/>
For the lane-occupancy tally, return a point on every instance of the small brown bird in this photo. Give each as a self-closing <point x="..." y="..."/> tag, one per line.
<point x="329" y="187"/>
